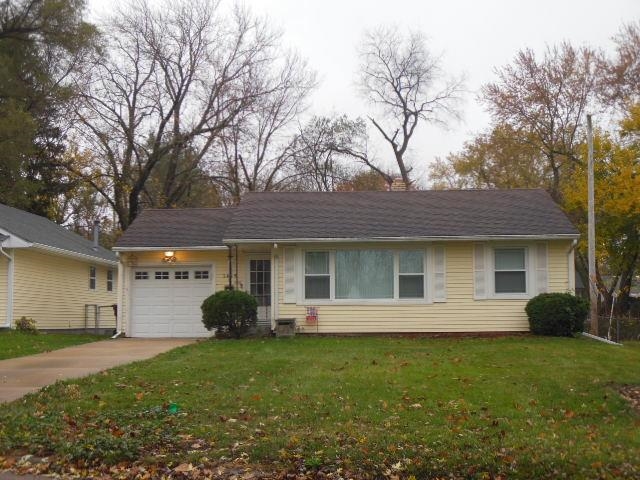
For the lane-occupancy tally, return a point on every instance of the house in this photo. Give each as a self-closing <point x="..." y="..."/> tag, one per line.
<point x="50" y="274"/>
<point x="350" y="262"/>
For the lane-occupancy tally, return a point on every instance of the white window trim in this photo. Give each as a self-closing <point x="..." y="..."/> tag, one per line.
<point x="110" y="281"/>
<point x="331" y="275"/>
<point x="490" y="272"/>
<point x="93" y="275"/>
<point x="300" y="279"/>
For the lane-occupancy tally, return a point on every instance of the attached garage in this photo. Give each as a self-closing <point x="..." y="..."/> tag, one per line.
<point x="165" y="300"/>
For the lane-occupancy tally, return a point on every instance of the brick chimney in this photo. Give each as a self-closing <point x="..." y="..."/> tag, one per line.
<point x="398" y="185"/>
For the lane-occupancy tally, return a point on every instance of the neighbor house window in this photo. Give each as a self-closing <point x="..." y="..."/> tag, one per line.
<point x="184" y="275"/>
<point x="317" y="279"/>
<point x="92" y="278"/>
<point x="365" y="274"/>
<point x="109" y="280"/>
<point x="142" y="275"/>
<point x="510" y="270"/>
<point x="162" y="275"/>
<point x="201" y="274"/>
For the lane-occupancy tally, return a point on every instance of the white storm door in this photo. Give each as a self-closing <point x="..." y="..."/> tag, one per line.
<point x="260" y="288"/>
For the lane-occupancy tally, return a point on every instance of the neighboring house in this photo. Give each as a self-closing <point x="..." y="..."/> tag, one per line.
<point x="350" y="262"/>
<point x="53" y="275"/>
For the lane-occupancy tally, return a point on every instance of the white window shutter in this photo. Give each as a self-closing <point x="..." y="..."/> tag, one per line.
<point x="289" y="275"/>
<point x="541" y="268"/>
<point x="479" y="269"/>
<point x="439" y="275"/>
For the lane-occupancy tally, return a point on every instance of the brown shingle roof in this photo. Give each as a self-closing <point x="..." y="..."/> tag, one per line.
<point x="415" y="214"/>
<point x="282" y="216"/>
<point x="173" y="228"/>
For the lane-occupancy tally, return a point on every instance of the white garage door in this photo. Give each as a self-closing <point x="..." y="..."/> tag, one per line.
<point x="166" y="301"/>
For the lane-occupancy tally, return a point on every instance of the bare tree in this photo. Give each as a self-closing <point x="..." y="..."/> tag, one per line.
<point x="176" y="75"/>
<point x="323" y="150"/>
<point x="399" y="75"/>
<point x="255" y="151"/>
<point x="622" y="73"/>
<point x="545" y="100"/>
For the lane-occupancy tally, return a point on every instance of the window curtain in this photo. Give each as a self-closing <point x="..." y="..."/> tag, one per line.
<point x="364" y="274"/>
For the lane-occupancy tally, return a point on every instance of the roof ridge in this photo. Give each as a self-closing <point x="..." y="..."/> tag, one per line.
<point x="171" y="209"/>
<point x="447" y="190"/>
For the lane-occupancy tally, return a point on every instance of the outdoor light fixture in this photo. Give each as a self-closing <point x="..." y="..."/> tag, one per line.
<point x="169" y="256"/>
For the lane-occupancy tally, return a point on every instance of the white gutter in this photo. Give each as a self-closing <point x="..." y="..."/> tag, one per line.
<point x="162" y="249"/>
<point x="405" y="239"/>
<point x="79" y="256"/>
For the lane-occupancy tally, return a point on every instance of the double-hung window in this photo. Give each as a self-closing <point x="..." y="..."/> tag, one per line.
<point x="510" y="270"/>
<point x="109" y="280"/>
<point x="317" y="279"/>
<point x="411" y="274"/>
<point x="365" y="274"/>
<point x="92" y="278"/>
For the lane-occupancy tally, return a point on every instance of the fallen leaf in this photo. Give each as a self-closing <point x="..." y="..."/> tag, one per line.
<point x="183" y="468"/>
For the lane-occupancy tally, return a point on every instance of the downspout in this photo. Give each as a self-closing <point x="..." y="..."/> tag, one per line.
<point x="119" y="309"/>
<point x="237" y="279"/>
<point x="230" y="263"/>
<point x="10" y="270"/>
<point x="275" y="272"/>
<point x="571" y="265"/>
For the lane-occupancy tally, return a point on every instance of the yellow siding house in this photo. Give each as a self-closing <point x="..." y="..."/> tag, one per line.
<point x="350" y="262"/>
<point x="50" y="274"/>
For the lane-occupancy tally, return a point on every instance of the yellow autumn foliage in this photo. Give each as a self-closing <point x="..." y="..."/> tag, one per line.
<point x="617" y="196"/>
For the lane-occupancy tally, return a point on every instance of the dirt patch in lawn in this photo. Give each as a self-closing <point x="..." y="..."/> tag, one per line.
<point x="631" y="393"/>
<point x="238" y="469"/>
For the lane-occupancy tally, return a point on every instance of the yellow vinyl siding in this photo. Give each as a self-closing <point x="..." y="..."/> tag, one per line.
<point x="460" y="312"/>
<point x="53" y="290"/>
<point x="558" y="266"/>
<point x="4" y="267"/>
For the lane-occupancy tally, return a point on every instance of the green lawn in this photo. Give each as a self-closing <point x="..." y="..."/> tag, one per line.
<point x="17" y="344"/>
<point x="472" y="408"/>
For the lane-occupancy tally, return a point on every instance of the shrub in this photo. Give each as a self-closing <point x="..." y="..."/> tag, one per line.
<point x="230" y="311"/>
<point x="557" y="314"/>
<point x="27" y="325"/>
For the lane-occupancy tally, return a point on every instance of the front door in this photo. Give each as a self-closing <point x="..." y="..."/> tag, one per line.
<point x="260" y="288"/>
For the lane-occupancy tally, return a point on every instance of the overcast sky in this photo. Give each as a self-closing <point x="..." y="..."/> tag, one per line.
<point x="474" y="37"/>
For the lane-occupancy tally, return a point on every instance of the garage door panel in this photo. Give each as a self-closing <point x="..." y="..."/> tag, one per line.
<point x="182" y="311"/>
<point x="170" y="307"/>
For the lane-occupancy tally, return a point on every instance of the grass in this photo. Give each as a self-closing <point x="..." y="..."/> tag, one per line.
<point x="473" y="408"/>
<point x="18" y="344"/>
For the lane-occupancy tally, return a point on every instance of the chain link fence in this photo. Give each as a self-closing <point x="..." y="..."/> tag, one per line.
<point x="617" y="327"/>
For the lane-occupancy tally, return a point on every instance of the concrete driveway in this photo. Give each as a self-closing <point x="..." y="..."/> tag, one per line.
<point x="19" y="376"/>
